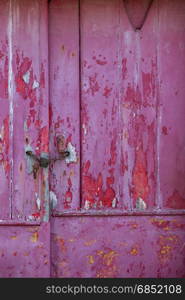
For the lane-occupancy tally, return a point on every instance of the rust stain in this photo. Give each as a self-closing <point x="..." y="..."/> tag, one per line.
<point x="90" y="259"/>
<point x="134" y="251"/>
<point x="107" y="257"/>
<point x="63" y="263"/>
<point x="106" y="264"/>
<point x="165" y="250"/>
<point x="134" y="226"/>
<point x="13" y="237"/>
<point x="72" y="240"/>
<point x="108" y="272"/>
<point x="34" y="237"/>
<point x="167" y="244"/>
<point x="89" y="243"/>
<point x="61" y="243"/>
<point x="160" y="223"/>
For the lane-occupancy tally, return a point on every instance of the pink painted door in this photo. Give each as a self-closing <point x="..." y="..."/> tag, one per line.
<point x="24" y="126"/>
<point x="117" y="96"/>
<point x="107" y="78"/>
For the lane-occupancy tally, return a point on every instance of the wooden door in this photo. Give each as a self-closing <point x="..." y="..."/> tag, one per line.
<point x="24" y="126"/>
<point x="117" y="97"/>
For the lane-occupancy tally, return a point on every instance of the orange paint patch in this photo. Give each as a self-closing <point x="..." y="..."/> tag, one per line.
<point x="160" y="223"/>
<point x="13" y="237"/>
<point x="134" y="226"/>
<point x="167" y="244"/>
<point x="34" y="237"/>
<point x="61" y="243"/>
<point x="107" y="257"/>
<point x="90" y="259"/>
<point x="134" y="251"/>
<point x="107" y="272"/>
<point x="72" y="240"/>
<point x="89" y="243"/>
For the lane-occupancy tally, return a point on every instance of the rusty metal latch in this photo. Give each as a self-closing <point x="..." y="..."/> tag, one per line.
<point x="44" y="161"/>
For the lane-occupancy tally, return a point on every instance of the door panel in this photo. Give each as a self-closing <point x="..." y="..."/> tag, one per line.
<point x="30" y="107"/>
<point x="5" y="156"/>
<point x="100" y="105"/>
<point x="118" y="247"/>
<point x="25" y="250"/>
<point x="64" y="102"/>
<point x="24" y="117"/>
<point x="139" y="106"/>
<point x="24" y="125"/>
<point x="172" y="105"/>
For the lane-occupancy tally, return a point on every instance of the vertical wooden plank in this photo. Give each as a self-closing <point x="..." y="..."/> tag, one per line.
<point x="100" y="104"/>
<point x="139" y="111"/>
<point x="5" y="159"/>
<point x="30" y="105"/>
<point x="172" y="105"/>
<point x="64" y="101"/>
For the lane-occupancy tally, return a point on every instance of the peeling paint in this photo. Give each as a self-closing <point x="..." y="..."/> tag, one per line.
<point x="35" y="85"/>
<point x="114" y="202"/>
<point x="140" y="204"/>
<point x="26" y="77"/>
<point x="38" y="202"/>
<point x="29" y="160"/>
<point x="53" y="199"/>
<point x="72" y="156"/>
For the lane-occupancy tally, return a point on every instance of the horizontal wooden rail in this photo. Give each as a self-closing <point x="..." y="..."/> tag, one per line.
<point x="116" y="212"/>
<point x="19" y="223"/>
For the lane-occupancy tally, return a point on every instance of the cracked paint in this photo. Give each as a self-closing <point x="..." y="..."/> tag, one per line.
<point x="140" y="204"/>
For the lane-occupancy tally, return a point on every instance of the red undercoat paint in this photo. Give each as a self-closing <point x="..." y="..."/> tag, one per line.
<point x="111" y="85"/>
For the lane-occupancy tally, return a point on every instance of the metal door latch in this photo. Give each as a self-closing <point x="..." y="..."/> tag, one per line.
<point x="44" y="161"/>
